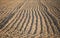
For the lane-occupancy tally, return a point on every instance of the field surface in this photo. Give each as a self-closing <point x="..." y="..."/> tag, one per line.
<point x="29" y="18"/>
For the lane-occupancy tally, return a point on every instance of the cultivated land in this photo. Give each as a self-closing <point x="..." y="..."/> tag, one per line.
<point x="29" y="18"/>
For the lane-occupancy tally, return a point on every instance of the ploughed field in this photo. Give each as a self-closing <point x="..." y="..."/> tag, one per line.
<point x="29" y="18"/>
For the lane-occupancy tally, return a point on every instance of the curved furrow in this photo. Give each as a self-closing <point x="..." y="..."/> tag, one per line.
<point x="54" y="21"/>
<point x="20" y="20"/>
<point x="57" y="13"/>
<point x="34" y="28"/>
<point x="17" y="24"/>
<point x="24" y="27"/>
<point x="13" y="25"/>
<point x="24" y="20"/>
<point x="19" y="6"/>
<point x="49" y="18"/>
<point x="49" y="29"/>
<point x="54" y="24"/>
<point x="36" y="22"/>
<point x="7" y="25"/>
<point x="46" y="24"/>
<point x="3" y="17"/>
<point x="12" y="29"/>
<point x="8" y="11"/>
<point x="31" y="22"/>
<point x="11" y="11"/>
<point x="50" y="22"/>
<point x="41" y="25"/>
<point x="7" y="18"/>
<point x="28" y="21"/>
<point x="4" y="22"/>
<point x="14" y="11"/>
<point x="17" y="19"/>
<point x="41" y="21"/>
<point x="24" y="23"/>
<point x="27" y="28"/>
